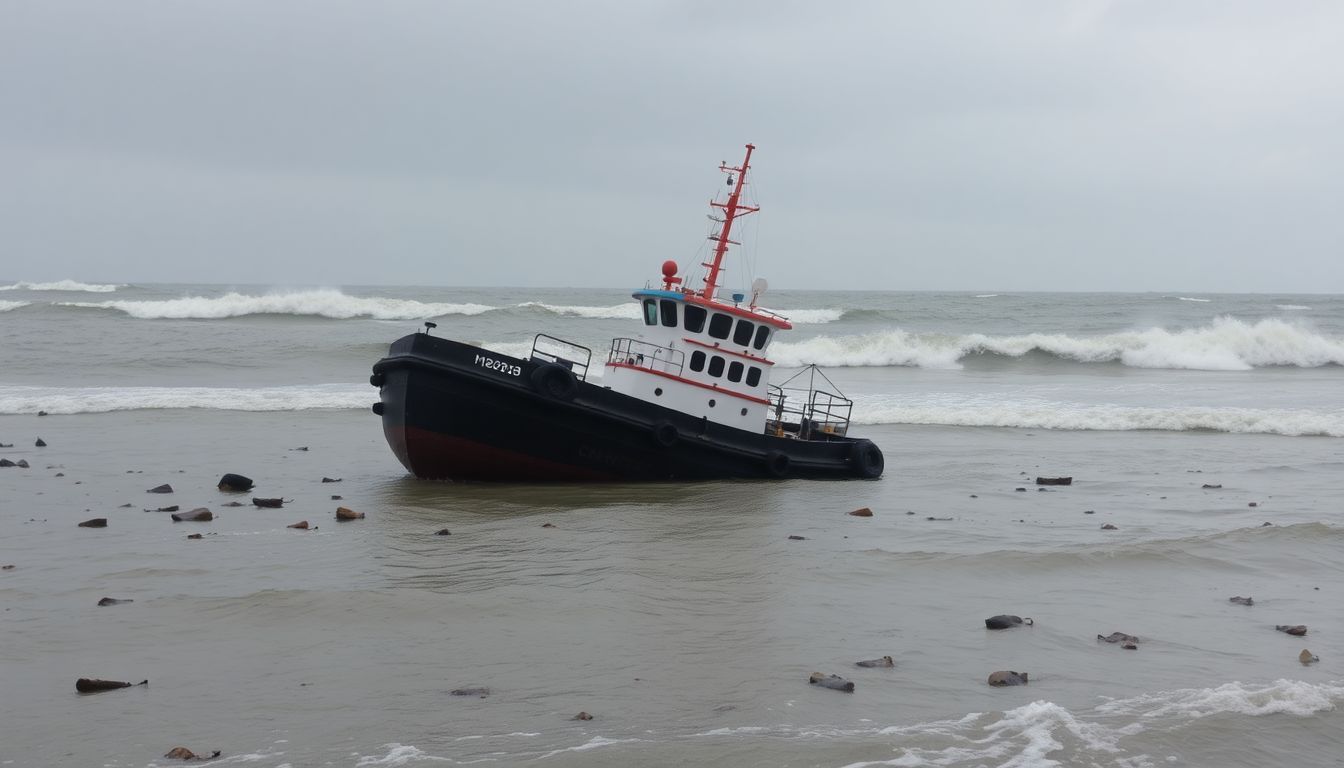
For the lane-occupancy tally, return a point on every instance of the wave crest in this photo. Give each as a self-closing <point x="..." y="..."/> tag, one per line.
<point x="322" y="303"/>
<point x="67" y="400"/>
<point x="62" y="285"/>
<point x="1226" y="344"/>
<point x="6" y="306"/>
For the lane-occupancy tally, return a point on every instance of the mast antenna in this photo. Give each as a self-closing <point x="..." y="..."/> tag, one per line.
<point x="732" y="209"/>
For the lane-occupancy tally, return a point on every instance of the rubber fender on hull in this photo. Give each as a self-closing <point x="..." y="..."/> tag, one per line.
<point x="555" y="382"/>
<point x="778" y="463"/>
<point x="377" y="379"/>
<point x="866" y="459"/>
<point x="665" y="434"/>
<point x="378" y="408"/>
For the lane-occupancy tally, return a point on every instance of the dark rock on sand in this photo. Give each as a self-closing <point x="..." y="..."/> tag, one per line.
<point x="1252" y="504"/>
<point x="795" y="537"/>
<point x="165" y="488"/>
<point x="113" y="601"/>
<point x="1005" y="621"/>
<point x="127" y="505"/>
<point x="268" y="502"/>
<point x="21" y="464"/>
<point x="1239" y="600"/>
<point x="1307" y="657"/>
<point x="301" y="525"/>
<point x="582" y="716"/>
<point x="1211" y="486"/>
<point x="173" y="508"/>
<point x="862" y="512"/>
<point x="9" y="567"/>
<point x="182" y="753"/>
<point x="331" y="479"/>
<point x="548" y="525"/>
<point x="40" y="443"/>
<point x="232" y="504"/>
<point x="334" y="497"/>
<point x="195" y="536"/>
<point x="91" y="685"/>
<point x="200" y="515"/>
<point x="1020" y="490"/>
<point x="885" y="661"/>
<point x="6" y="463"/>
<point x="345" y="513"/>
<point x="1004" y="678"/>
<point x="473" y="691"/>
<point x="1118" y="637"/>
<point x="97" y="522"/>
<point x="834" y="682"/>
<point x="1297" y="630"/>
<point x="1054" y="481"/>
<point x="1109" y="527"/>
<point x="41" y="413"/>
<point x="300" y="448"/>
<point x="443" y="532"/>
<point x="1130" y="646"/>
<point x="232" y="482"/>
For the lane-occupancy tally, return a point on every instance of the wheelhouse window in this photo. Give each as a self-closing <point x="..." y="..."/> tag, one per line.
<point x="719" y="325"/>
<point x="716" y="366"/>
<point x="742" y="336"/>
<point x="762" y="336"/>
<point x="669" y="308"/>
<point x="735" y="371"/>
<point x="695" y="318"/>
<point x="697" y="361"/>
<point x="650" y="312"/>
<point x="753" y="376"/>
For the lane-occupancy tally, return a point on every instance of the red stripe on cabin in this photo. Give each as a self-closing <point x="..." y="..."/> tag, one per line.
<point x="692" y="382"/>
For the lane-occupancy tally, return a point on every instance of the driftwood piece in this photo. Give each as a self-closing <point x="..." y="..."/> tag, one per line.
<point x="97" y="522"/>
<point x="885" y="661"/>
<point x="200" y="514"/>
<point x="1054" y="481"/>
<point x="834" y="682"/>
<point x="273" y="503"/>
<point x="94" y="685"/>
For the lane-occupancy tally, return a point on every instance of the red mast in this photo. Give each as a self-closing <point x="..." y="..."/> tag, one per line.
<point x="732" y="209"/>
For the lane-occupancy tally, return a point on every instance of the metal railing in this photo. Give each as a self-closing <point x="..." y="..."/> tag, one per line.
<point x="563" y="353"/>
<point x="642" y="354"/>
<point x="808" y="413"/>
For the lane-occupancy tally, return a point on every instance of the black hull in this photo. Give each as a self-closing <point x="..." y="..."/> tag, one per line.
<point x="458" y="412"/>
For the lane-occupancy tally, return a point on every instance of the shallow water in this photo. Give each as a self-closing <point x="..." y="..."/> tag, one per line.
<point x="679" y="615"/>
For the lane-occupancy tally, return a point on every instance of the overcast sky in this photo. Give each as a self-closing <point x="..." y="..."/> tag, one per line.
<point x="943" y="145"/>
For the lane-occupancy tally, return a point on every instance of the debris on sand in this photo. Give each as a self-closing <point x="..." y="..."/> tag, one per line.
<point x="165" y="488"/>
<point x="113" y="601"/>
<point x="1118" y="637"/>
<point x="1006" y="621"/>
<point x="1239" y="600"/>
<point x="1008" y="677"/>
<point x="93" y="685"/>
<point x="200" y="514"/>
<point x="1296" y="630"/>
<point x="97" y="522"/>
<point x="1054" y="481"/>
<point x="272" y="503"/>
<point x="233" y="482"/>
<point x="834" y="682"/>
<point x="1307" y="657"/>
<point x="301" y="525"/>
<point x="182" y="753"/>
<point x="345" y="513"/>
<point x="472" y="691"/>
<point x="885" y="661"/>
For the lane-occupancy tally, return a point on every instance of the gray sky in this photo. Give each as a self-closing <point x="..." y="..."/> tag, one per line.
<point x="944" y="145"/>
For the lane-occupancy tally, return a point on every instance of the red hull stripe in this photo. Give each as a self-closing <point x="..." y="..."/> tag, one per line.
<point x="430" y="454"/>
<point x="693" y="383"/>
<point x="717" y="348"/>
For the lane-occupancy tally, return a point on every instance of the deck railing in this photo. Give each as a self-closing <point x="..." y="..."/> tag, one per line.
<point x="575" y="357"/>
<point x="642" y="354"/>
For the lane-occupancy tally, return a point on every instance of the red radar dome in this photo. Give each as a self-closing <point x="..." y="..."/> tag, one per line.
<point x="670" y="275"/>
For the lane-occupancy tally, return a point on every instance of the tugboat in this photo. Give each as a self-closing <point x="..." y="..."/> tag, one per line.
<point x="688" y="399"/>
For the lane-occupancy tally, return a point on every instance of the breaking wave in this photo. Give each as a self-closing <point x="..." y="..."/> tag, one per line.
<point x="62" y="285"/>
<point x="6" y="306"/>
<point x="1226" y="344"/>
<point x="626" y="311"/>
<point x="321" y="303"/>
<point x="1109" y="418"/>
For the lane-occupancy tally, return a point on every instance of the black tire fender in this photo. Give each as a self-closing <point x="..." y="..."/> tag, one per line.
<point x="555" y="382"/>
<point x="665" y="434"/>
<point x="866" y="459"/>
<point x="778" y="463"/>
<point x="377" y="379"/>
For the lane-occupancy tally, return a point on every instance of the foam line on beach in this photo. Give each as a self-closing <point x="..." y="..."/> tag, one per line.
<point x="1225" y="344"/>
<point x="63" y="285"/>
<point x="1109" y="418"/>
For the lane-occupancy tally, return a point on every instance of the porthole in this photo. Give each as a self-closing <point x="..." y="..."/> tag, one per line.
<point x="744" y="411"/>
<point x="711" y="403"/>
<point x="658" y="392"/>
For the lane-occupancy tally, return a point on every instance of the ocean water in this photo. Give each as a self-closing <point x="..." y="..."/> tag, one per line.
<point x="681" y="616"/>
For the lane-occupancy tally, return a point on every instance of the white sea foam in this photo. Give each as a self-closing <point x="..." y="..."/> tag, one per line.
<point x="400" y="754"/>
<point x="810" y="316"/>
<point x="987" y="295"/>
<point x="61" y="285"/>
<point x="1189" y="298"/>
<point x="321" y="302"/>
<point x="1108" y="418"/>
<point x="1290" y="697"/>
<point x="627" y="311"/>
<point x="1226" y="344"/>
<point x="6" y="306"/>
<point x="1292" y="307"/>
<point x="65" y="400"/>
